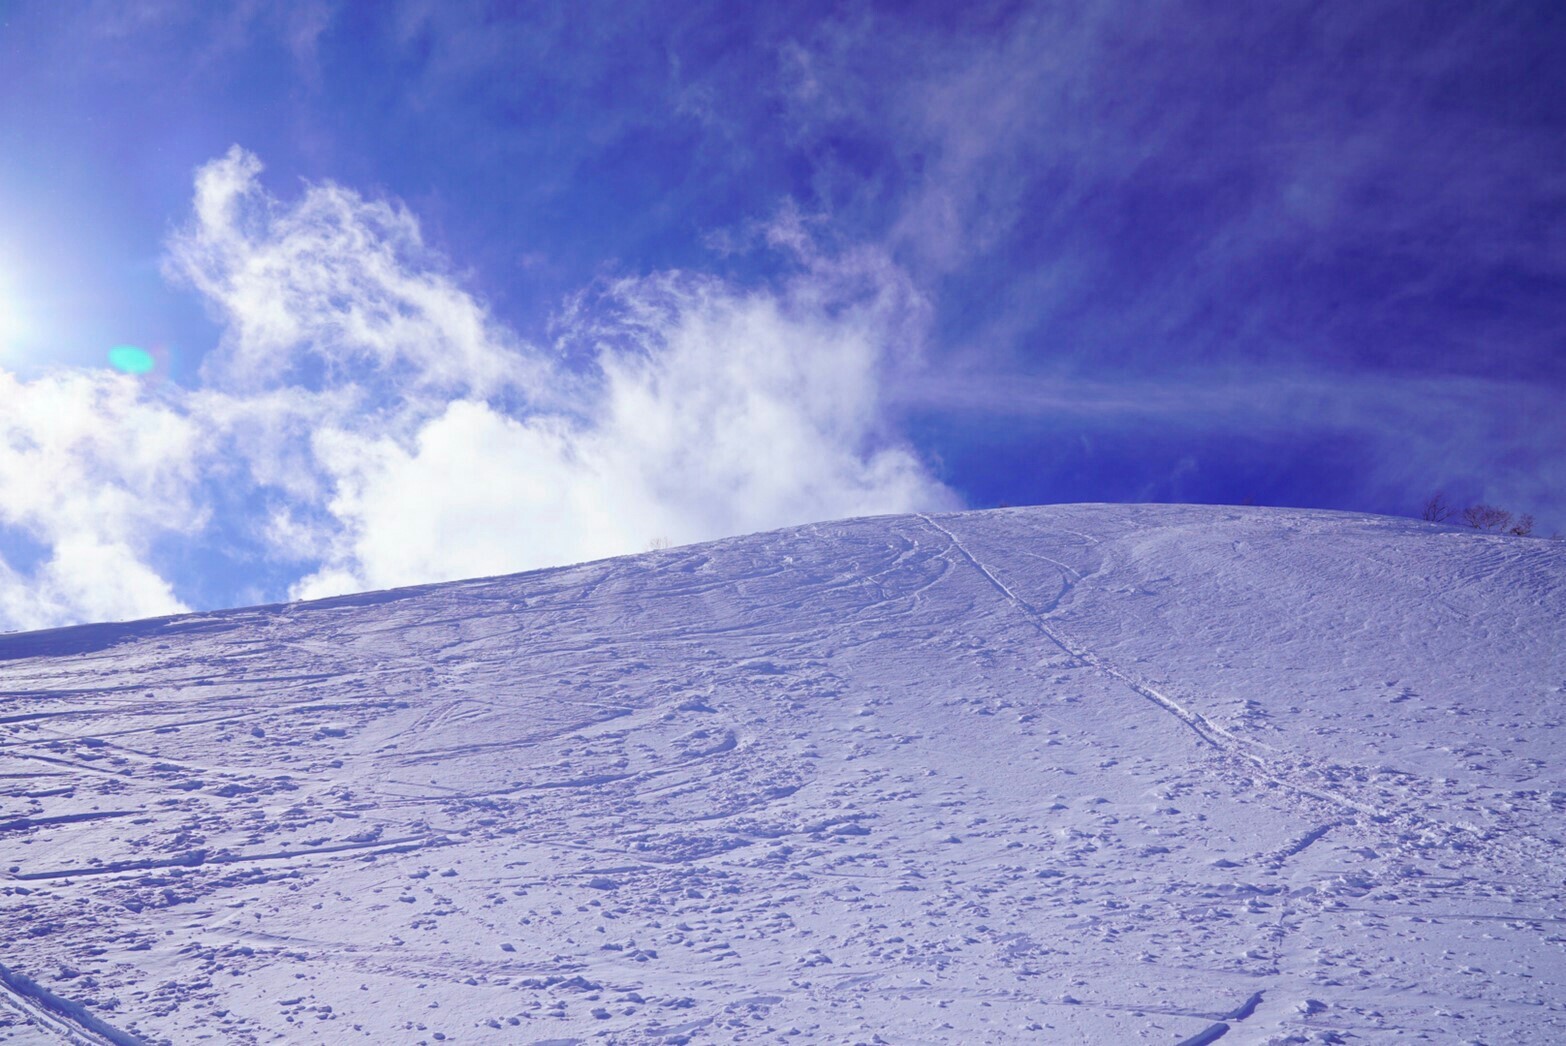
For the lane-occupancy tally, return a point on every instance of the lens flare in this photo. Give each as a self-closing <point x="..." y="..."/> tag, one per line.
<point x="131" y="360"/>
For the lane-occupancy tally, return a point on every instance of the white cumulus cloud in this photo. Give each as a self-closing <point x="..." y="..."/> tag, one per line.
<point x="711" y="413"/>
<point x="92" y="473"/>
<point x="379" y="427"/>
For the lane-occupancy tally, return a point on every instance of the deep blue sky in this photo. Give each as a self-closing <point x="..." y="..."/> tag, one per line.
<point x="1293" y="253"/>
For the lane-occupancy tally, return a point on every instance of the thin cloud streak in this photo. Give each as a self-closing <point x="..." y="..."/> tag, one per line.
<point x="1499" y="439"/>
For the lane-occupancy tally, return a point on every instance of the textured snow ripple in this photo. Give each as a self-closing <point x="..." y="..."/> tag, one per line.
<point x="1080" y="774"/>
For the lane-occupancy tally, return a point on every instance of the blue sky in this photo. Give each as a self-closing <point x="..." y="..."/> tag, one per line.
<point x="443" y="289"/>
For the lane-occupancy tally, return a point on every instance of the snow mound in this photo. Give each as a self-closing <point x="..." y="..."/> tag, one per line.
<point x="1082" y="773"/>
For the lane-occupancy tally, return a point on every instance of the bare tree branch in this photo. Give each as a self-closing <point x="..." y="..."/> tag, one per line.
<point x="1436" y="509"/>
<point x="1488" y="517"/>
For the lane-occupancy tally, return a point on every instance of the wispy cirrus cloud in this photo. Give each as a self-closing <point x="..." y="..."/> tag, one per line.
<point x="1481" y="438"/>
<point x="1114" y="187"/>
<point x="334" y="290"/>
<point x="1187" y="231"/>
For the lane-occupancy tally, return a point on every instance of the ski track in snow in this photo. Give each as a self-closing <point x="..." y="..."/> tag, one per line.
<point x="1073" y="774"/>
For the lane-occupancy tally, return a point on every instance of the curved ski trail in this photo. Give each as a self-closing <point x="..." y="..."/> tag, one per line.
<point x="1212" y="735"/>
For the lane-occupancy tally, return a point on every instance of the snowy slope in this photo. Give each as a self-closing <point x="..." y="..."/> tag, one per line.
<point x="1094" y="773"/>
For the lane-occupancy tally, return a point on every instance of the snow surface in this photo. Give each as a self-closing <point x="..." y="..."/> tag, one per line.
<point x="1091" y="773"/>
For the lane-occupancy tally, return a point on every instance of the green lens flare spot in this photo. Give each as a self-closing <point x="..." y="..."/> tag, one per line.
<point x="131" y="360"/>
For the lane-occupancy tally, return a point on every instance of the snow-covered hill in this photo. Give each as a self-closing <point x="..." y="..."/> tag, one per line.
<point x="1094" y="773"/>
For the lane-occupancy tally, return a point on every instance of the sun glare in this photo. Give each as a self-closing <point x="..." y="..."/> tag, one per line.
<point x="16" y="329"/>
<point x="10" y="318"/>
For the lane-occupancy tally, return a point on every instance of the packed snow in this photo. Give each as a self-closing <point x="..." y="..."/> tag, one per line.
<point x="1096" y="774"/>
